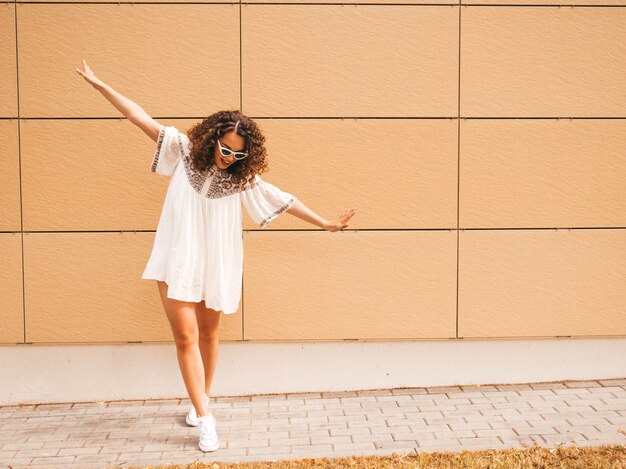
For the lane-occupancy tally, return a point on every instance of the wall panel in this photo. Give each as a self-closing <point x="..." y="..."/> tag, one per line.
<point x="542" y="173"/>
<point x="173" y="60"/>
<point x="398" y="173"/>
<point x="349" y="285"/>
<point x="542" y="283"/>
<point x="87" y="288"/>
<point x="10" y="216"/>
<point x="8" y="61"/>
<point x="543" y="62"/>
<point x="91" y="175"/>
<point x="349" y="61"/>
<point x="11" y="291"/>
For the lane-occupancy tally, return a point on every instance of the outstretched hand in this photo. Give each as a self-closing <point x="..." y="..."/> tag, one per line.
<point x="88" y="75"/>
<point x="342" y="223"/>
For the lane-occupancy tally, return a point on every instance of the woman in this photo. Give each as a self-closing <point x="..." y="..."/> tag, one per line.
<point x="197" y="255"/>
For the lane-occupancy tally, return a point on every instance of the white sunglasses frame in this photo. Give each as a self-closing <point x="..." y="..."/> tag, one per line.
<point x="234" y="153"/>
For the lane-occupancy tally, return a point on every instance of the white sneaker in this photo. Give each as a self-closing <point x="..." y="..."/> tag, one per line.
<point x="208" y="440"/>
<point x="192" y="416"/>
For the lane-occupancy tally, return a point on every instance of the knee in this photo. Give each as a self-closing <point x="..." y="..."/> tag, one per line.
<point x="186" y="339"/>
<point x="208" y="335"/>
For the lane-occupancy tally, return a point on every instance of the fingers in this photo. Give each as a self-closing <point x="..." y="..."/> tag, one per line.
<point x="349" y="213"/>
<point x="345" y="216"/>
<point x="81" y="72"/>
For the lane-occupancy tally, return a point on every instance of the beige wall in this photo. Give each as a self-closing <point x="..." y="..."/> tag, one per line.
<point x="482" y="145"/>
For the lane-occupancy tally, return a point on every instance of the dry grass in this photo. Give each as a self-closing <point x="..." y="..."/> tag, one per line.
<point x="599" y="457"/>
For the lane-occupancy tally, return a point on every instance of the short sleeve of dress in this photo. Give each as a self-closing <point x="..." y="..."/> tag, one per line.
<point x="264" y="201"/>
<point x="170" y="145"/>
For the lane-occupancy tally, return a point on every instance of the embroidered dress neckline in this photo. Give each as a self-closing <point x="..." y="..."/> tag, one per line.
<point x="213" y="183"/>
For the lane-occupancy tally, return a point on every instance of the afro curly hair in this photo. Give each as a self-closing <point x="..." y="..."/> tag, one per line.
<point x="204" y="135"/>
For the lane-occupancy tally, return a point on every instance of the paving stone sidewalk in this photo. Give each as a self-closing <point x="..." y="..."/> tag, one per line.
<point x="326" y="424"/>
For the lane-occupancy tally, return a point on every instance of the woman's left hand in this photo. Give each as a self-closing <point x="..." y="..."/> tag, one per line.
<point x="342" y="223"/>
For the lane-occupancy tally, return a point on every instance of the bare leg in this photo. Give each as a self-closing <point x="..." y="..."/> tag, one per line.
<point x="182" y="318"/>
<point x="208" y="322"/>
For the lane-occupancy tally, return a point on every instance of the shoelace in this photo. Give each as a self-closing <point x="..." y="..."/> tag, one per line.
<point x="207" y="428"/>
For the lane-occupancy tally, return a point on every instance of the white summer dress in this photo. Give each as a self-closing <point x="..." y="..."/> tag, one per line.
<point x="198" y="245"/>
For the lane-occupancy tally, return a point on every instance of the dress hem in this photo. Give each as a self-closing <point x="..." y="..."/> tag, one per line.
<point x="157" y="277"/>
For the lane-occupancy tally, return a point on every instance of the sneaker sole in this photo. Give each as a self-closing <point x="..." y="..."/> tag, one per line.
<point x="209" y="448"/>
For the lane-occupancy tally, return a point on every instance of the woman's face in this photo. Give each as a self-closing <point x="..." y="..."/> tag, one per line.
<point x="233" y="141"/>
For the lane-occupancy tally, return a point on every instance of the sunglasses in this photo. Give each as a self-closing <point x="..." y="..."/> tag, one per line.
<point x="239" y="155"/>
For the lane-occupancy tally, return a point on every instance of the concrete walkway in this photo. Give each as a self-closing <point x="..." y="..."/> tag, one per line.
<point x="327" y="424"/>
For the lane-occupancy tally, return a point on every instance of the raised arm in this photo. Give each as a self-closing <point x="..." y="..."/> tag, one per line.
<point x="130" y="109"/>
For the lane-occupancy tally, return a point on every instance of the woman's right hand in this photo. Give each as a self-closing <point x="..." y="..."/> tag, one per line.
<point x="89" y="76"/>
